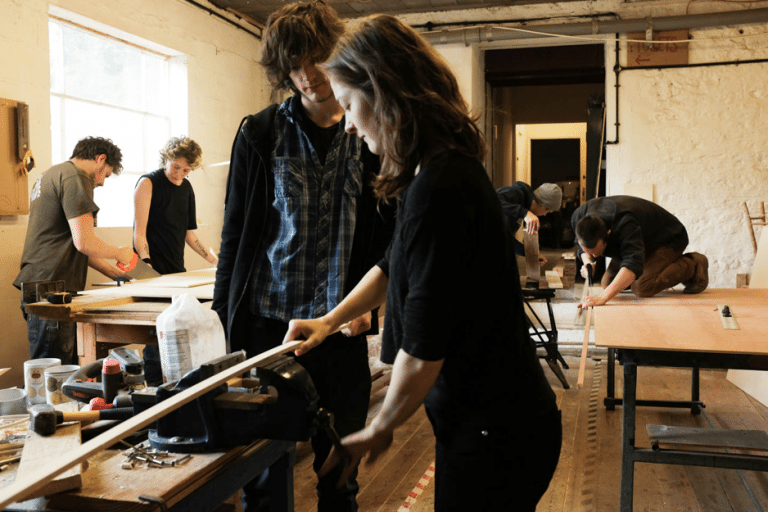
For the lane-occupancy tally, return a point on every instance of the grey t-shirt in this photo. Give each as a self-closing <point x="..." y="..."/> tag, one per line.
<point x="61" y="193"/>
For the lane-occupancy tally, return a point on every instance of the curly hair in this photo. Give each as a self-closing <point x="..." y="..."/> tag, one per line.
<point x="295" y="33"/>
<point x="413" y="93"/>
<point x="182" y="147"/>
<point x="90" y="148"/>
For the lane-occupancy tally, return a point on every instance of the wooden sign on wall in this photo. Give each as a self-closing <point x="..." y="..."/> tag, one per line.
<point x="659" y="54"/>
<point x="14" y="192"/>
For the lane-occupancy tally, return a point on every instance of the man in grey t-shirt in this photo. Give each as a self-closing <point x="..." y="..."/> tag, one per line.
<point x="61" y="242"/>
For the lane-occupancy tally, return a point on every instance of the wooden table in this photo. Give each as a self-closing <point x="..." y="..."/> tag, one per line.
<point x="113" y="316"/>
<point x="684" y="331"/>
<point x="202" y="483"/>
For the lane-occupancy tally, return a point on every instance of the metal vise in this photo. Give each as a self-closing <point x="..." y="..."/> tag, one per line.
<point x="280" y="403"/>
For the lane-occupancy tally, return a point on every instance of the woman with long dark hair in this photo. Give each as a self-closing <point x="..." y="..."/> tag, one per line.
<point x="454" y="329"/>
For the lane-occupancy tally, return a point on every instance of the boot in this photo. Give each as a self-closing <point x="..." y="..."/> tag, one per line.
<point x="700" y="280"/>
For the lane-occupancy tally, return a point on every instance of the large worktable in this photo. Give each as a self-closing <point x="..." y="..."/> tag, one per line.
<point x="111" y="316"/>
<point x="685" y="331"/>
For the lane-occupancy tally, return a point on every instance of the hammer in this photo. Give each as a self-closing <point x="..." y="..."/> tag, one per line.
<point x="44" y="418"/>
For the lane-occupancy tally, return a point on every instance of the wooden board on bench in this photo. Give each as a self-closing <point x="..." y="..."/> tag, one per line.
<point x="665" y="435"/>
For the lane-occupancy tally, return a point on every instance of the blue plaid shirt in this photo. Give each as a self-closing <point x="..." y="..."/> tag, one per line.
<point x="301" y="267"/>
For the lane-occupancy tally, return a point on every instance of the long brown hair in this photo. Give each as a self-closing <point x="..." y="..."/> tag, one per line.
<point x="413" y="93"/>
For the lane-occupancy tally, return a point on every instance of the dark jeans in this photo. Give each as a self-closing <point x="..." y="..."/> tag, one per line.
<point x="339" y="370"/>
<point x="49" y="338"/>
<point x="509" y="468"/>
<point x="664" y="268"/>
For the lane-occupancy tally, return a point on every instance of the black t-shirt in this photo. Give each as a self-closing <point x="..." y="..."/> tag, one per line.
<point x="171" y="214"/>
<point x="454" y="294"/>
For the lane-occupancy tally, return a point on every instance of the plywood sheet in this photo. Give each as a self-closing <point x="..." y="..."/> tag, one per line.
<point x="752" y="382"/>
<point x="709" y="296"/>
<point x="689" y="327"/>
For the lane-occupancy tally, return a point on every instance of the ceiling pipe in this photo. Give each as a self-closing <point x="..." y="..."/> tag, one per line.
<point x="488" y="34"/>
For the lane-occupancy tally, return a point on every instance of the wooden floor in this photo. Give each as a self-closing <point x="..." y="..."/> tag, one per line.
<point x="588" y="475"/>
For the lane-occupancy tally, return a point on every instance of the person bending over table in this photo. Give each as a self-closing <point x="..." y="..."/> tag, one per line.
<point x="455" y="328"/>
<point x="164" y="219"/>
<point x="645" y="243"/>
<point x="523" y="205"/>
<point x="61" y="241"/>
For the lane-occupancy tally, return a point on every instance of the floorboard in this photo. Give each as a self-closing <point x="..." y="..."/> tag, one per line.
<point x="589" y="473"/>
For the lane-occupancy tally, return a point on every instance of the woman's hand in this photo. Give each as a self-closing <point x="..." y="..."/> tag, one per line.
<point x="312" y="331"/>
<point x="357" y="326"/>
<point x="356" y="446"/>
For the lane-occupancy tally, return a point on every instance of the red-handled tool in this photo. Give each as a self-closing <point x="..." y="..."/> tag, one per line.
<point x="137" y="269"/>
<point x="131" y="265"/>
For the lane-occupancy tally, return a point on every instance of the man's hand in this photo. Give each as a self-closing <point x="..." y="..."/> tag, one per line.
<point x="365" y="442"/>
<point x="584" y="273"/>
<point x="531" y="223"/>
<point x="125" y="255"/>
<point x="593" y="300"/>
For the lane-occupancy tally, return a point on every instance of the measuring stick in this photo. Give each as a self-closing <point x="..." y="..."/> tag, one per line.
<point x="587" y="325"/>
<point x="583" y="362"/>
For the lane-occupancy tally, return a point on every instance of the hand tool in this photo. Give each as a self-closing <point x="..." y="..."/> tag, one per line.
<point x="59" y="298"/>
<point x="88" y="383"/>
<point x="587" y="325"/>
<point x="137" y="269"/>
<point x="44" y="418"/>
<point x="280" y="403"/>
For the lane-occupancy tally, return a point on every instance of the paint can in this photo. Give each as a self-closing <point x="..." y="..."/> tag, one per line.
<point x="55" y="377"/>
<point x="13" y="401"/>
<point x="34" y="378"/>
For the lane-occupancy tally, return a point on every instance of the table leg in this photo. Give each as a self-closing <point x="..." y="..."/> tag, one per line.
<point x="610" y="394"/>
<point x="696" y="406"/>
<point x="86" y="343"/>
<point x="628" y="436"/>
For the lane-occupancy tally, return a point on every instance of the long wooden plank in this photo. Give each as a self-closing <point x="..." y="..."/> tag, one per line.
<point x="584" y="347"/>
<point x="39" y="449"/>
<point x="531" y="243"/>
<point x="60" y="464"/>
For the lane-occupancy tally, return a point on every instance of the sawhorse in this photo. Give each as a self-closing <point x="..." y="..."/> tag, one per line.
<point x="546" y="337"/>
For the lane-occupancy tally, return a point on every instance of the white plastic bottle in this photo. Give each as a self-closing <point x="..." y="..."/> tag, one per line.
<point x="188" y="334"/>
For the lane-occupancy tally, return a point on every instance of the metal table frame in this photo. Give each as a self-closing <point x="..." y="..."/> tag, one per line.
<point x="631" y="359"/>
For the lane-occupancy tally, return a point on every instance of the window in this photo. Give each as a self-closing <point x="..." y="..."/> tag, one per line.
<point x="108" y="83"/>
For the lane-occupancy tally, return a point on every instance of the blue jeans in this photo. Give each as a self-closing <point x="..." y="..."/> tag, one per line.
<point x="49" y="338"/>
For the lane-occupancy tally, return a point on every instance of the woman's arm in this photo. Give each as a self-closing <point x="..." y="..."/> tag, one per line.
<point x="411" y="381"/>
<point x="369" y="293"/>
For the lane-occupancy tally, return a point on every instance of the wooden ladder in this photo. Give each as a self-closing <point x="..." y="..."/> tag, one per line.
<point x="759" y="220"/>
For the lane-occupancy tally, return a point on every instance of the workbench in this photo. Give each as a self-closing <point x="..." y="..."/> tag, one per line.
<point x="202" y="483"/>
<point x="683" y="331"/>
<point x="111" y="316"/>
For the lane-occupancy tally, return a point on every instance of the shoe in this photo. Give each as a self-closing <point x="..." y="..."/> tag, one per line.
<point x="700" y="280"/>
